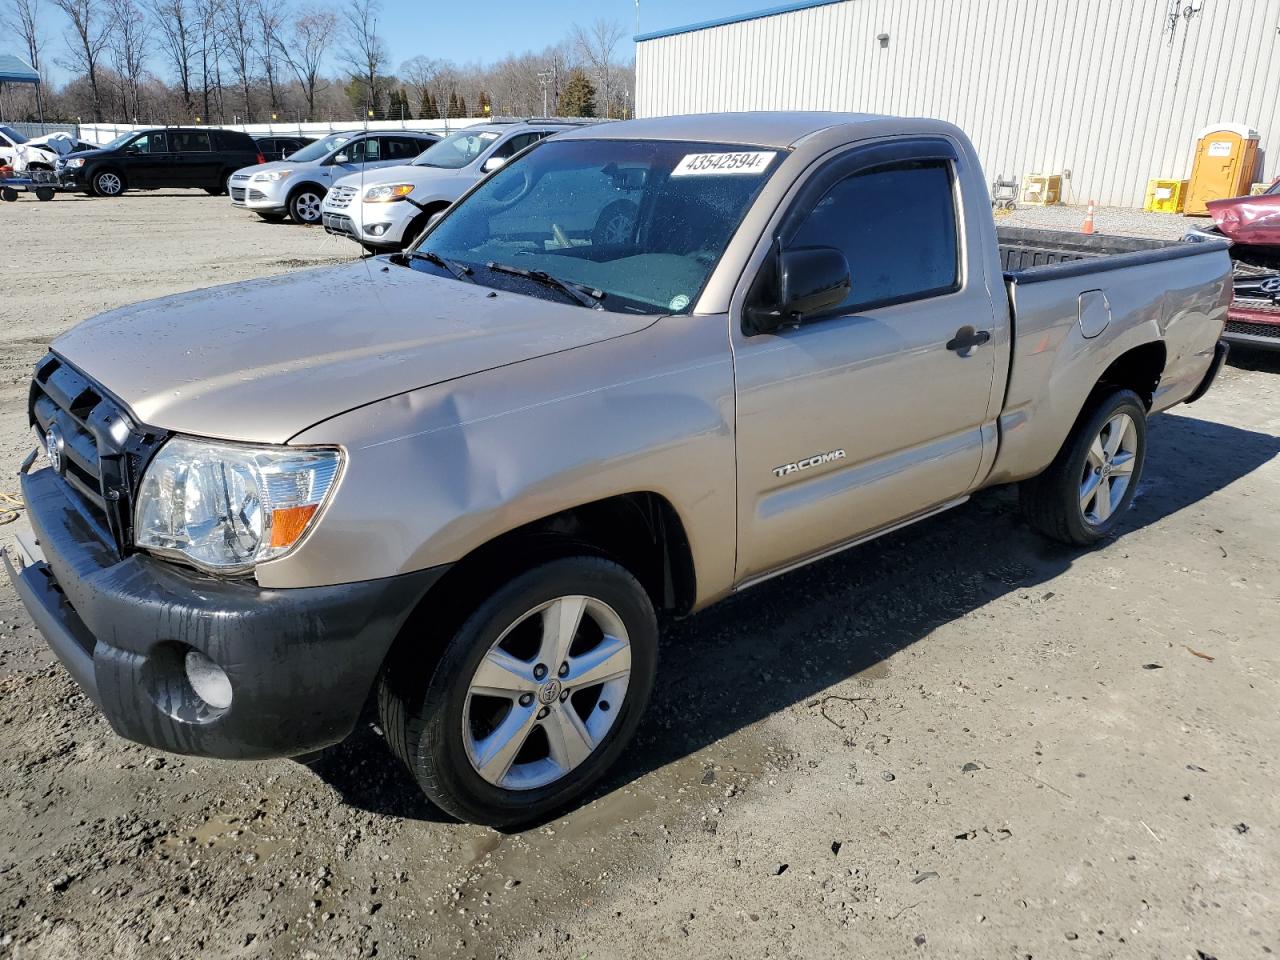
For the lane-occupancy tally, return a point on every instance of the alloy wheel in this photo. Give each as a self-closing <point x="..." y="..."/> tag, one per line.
<point x="307" y="206"/>
<point x="1108" y="469"/>
<point x="109" y="184"/>
<point x="546" y="693"/>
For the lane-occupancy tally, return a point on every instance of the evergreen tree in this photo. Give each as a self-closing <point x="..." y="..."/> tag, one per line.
<point x="426" y="109"/>
<point x="578" y="98"/>
<point x="486" y="104"/>
<point x="462" y="107"/>
<point x="453" y="104"/>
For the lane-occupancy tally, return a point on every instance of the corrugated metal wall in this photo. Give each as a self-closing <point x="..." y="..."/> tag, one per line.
<point x="1103" y="88"/>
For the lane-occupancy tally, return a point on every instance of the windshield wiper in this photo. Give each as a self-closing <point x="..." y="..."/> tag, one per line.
<point x="459" y="270"/>
<point x="586" y="296"/>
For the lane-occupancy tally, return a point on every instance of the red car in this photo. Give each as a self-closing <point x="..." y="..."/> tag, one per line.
<point x="1253" y="226"/>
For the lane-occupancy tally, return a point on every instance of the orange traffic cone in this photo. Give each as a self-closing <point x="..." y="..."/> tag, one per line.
<point x="1088" y="217"/>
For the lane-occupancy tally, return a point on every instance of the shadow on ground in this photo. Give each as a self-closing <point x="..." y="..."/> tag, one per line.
<point x="793" y="637"/>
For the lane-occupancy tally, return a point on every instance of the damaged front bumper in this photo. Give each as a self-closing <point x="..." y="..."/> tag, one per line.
<point x="300" y="662"/>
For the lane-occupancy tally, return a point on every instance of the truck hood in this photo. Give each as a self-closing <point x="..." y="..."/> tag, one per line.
<point x="262" y="360"/>
<point x="1252" y="220"/>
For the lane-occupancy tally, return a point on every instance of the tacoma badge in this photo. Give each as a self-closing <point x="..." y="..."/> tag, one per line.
<point x="805" y="464"/>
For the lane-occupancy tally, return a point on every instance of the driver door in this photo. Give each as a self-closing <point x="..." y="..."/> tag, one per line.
<point x="149" y="160"/>
<point x="870" y="413"/>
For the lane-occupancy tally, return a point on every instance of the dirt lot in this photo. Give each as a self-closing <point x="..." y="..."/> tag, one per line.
<point x="959" y="741"/>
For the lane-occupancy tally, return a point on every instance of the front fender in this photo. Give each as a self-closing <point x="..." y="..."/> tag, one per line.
<point x="435" y="473"/>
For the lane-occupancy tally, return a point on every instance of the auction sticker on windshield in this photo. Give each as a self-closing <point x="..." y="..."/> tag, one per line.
<point x="718" y="164"/>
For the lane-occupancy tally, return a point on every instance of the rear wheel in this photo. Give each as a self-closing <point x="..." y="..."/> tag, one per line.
<point x="304" y="205"/>
<point x="108" y="183"/>
<point x="534" y="696"/>
<point x="1080" y="497"/>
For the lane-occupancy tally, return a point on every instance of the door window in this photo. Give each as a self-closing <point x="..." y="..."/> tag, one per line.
<point x="896" y="225"/>
<point x="516" y="144"/>
<point x="401" y="148"/>
<point x="191" y="141"/>
<point x="157" y="141"/>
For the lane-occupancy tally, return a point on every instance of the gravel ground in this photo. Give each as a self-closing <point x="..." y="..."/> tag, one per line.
<point x="1121" y="221"/>
<point x="958" y="741"/>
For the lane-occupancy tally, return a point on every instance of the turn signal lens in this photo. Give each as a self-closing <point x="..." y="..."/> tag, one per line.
<point x="290" y="523"/>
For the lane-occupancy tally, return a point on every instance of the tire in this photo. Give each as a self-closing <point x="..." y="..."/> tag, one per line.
<point x="1066" y="502"/>
<point x="224" y="185"/>
<point x="107" y="183"/>
<point x="304" y="205"/>
<point x="437" y="724"/>
<point x="45" y="194"/>
<point x="272" y="217"/>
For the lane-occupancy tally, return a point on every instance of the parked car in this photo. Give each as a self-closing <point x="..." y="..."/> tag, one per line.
<point x="36" y="153"/>
<point x="161" y="157"/>
<point x="389" y="209"/>
<point x="279" y="147"/>
<point x="460" y="480"/>
<point x="1252" y="224"/>
<point x="296" y="187"/>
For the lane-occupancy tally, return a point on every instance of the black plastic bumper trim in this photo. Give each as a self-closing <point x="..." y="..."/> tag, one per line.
<point x="302" y="662"/>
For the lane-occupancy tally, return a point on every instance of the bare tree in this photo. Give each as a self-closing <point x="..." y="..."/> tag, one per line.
<point x="268" y="17"/>
<point x="310" y="38"/>
<point x="91" y="34"/>
<point x="420" y="74"/>
<point x="236" y="27"/>
<point x="208" y="13"/>
<point x="598" y="45"/>
<point x="128" y="48"/>
<point x="23" y="18"/>
<point x="365" y="53"/>
<point x="178" y="41"/>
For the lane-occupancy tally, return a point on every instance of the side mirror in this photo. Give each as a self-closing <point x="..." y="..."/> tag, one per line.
<point x="342" y="158"/>
<point x="492" y="164"/>
<point x="809" y="280"/>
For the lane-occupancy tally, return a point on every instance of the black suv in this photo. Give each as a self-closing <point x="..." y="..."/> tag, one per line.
<point x="164" y="157"/>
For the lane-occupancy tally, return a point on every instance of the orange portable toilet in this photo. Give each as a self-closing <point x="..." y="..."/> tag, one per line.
<point x="1226" y="154"/>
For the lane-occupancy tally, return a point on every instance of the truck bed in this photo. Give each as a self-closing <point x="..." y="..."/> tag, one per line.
<point x="1029" y="255"/>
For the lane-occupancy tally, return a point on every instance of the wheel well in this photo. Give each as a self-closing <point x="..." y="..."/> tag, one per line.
<point x="419" y="223"/>
<point x="1138" y="370"/>
<point x="640" y="531"/>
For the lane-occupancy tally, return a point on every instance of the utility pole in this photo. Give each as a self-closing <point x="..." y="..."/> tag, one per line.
<point x="545" y="77"/>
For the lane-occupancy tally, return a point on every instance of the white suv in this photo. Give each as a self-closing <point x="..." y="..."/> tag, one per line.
<point x="388" y="209"/>
<point x="295" y="186"/>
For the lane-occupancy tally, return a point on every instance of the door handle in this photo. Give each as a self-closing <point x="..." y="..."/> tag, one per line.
<point x="967" y="337"/>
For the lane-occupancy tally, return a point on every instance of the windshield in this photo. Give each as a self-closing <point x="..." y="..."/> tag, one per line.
<point x="1273" y="189"/>
<point x="457" y="150"/>
<point x="643" y="222"/>
<point x="14" y="136"/>
<point x="119" y="141"/>
<point x="319" y="149"/>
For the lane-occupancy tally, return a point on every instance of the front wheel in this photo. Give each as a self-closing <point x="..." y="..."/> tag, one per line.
<point x="534" y="697"/>
<point x="1080" y="497"/>
<point x="108" y="183"/>
<point x="304" y="206"/>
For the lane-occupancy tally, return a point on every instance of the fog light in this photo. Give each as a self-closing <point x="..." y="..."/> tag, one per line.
<point x="208" y="680"/>
<point x="378" y="229"/>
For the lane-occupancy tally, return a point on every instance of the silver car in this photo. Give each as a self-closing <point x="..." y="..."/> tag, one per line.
<point x="389" y="209"/>
<point x="296" y="186"/>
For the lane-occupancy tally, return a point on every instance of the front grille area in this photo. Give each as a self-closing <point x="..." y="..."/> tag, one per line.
<point x="257" y="195"/>
<point x="237" y="193"/>
<point x="340" y="198"/>
<point x="1268" y="330"/>
<point x="101" y="450"/>
<point x="1257" y="304"/>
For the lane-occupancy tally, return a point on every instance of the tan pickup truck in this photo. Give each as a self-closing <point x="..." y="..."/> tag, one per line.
<point x="638" y="368"/>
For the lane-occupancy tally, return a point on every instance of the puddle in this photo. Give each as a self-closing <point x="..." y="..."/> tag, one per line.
<point x="242" y="835"/>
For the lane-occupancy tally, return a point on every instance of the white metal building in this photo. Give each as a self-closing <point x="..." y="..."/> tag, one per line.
<point x="1113" y="91"/>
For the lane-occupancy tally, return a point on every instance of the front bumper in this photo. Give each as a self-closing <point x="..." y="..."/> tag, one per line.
<point x="301" y="662"/>
<point x="383" y="227"/>
<point x="1259" y="329"/>
<point x="269" y="197"/>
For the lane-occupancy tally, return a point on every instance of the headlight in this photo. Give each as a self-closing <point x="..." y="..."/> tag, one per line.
<point x="388" y="192"/>
<point x="74" y="162"/>
<point x="271" y="176"/>
<point x="226" y="507"/>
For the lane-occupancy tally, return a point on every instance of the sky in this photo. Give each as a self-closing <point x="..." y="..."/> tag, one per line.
<point x="483" y="31"/>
